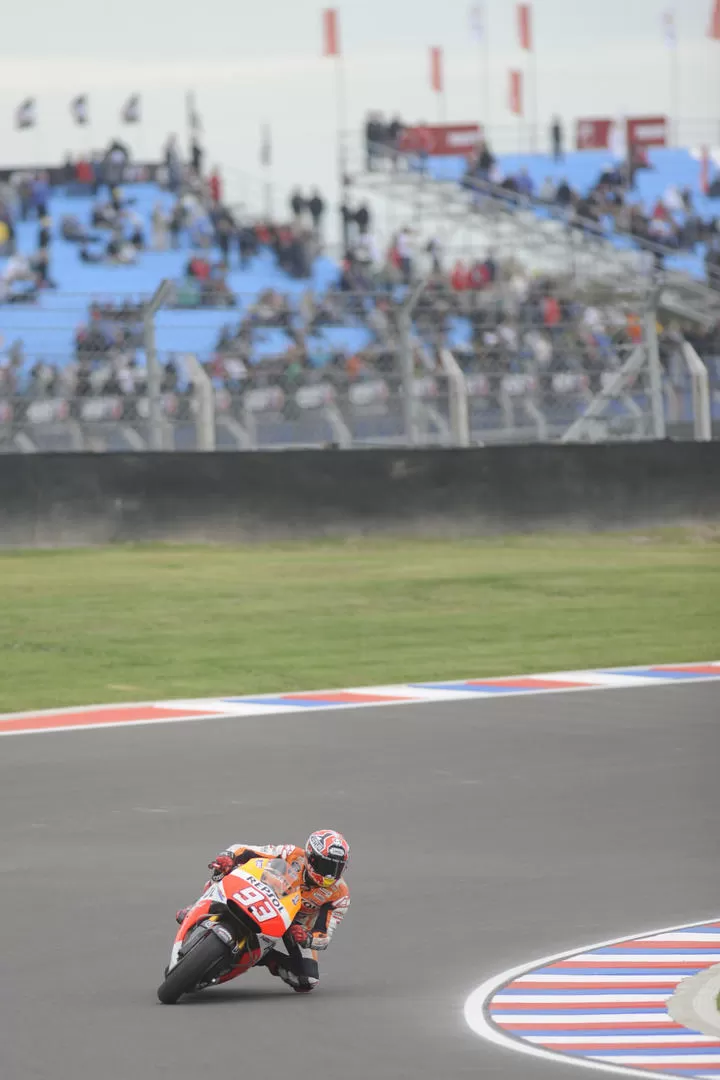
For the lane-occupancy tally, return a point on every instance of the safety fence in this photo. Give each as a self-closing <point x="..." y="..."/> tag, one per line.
<point x="419" y="364"/>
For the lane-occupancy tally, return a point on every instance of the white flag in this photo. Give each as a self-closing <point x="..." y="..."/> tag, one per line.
<point x="669" y="29"/>
<point x="130" y="113"/>
<point x="26" y="114"/>
<point x="477" y="21"/>
<point x="79" y="109"/>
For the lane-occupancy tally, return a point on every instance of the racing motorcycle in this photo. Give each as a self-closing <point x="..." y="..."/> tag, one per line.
<point x="233" y="925"/>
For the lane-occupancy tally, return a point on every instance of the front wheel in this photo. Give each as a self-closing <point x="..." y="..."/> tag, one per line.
<point x="203" y="962"/>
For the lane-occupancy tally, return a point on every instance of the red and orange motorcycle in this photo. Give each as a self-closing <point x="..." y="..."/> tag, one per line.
<point x="233" y="925"/>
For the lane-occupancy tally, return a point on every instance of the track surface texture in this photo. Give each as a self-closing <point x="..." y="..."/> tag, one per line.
<point x="483" y="834"/>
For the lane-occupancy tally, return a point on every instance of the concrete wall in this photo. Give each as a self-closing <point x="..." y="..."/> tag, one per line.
<point x="75" y="499"/>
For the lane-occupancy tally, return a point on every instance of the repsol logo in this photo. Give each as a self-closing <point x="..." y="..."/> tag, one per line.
<point x="267" y="891"/>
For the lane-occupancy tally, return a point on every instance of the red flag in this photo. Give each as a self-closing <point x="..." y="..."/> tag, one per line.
<point x="331" y="32"/>
<point x="714" y="28"/>
<point x="436" y="70"/>
<point x="516" y="93"/>
<point x="524" y="16"/>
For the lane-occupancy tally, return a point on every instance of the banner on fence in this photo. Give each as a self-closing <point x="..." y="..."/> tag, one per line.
<point x="645" y="131"/>
<point x="441" y="140"/>
<point x="593" y="133"/>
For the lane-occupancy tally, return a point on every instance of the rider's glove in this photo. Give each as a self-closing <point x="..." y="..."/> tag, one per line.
<point x="300" y="935"/>
<point x="221" y="866"/>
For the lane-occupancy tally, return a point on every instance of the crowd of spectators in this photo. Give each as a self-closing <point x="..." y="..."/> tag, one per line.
<point x="218" y="237"/>
<point x="383" y="139"/>
<point x="515" y="324"/>
<point x="24" y="275"/>
<point x="673" y="224"/>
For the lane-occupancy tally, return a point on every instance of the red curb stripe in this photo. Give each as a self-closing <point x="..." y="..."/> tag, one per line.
<point x="621" y="1047"/>
<point x="123" y="714"/>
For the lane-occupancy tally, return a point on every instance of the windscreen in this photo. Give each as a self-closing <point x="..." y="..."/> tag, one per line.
<point x="279" y="876"/>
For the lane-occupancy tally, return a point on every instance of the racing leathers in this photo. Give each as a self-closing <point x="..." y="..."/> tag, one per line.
<point x="322" y="911"/>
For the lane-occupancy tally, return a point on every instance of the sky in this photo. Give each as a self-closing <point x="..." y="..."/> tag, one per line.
<point x="257" y="63"/>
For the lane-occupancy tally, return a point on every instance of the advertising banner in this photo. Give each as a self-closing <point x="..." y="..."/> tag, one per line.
<point x="441" y="140"/>
<point x="645" y="131"/>
<point x="593" y="134"/>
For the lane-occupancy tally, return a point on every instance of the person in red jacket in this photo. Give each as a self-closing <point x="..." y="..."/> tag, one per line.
<point x="215" y="185"/>
<point x="460" y="278"/>
<point x="325" y="900"/>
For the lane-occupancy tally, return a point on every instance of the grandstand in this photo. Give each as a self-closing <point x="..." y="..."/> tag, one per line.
<point x="449" y="197"/>
<point x="301" y="349"/>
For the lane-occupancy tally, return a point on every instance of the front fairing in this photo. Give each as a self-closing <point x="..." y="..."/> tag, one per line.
<point x="271" y="907"/>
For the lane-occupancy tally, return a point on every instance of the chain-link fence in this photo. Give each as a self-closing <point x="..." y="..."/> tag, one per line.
<point x="436" y="367"/>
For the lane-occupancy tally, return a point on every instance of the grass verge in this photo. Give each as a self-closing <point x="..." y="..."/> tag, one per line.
<point x="137" y="623"/>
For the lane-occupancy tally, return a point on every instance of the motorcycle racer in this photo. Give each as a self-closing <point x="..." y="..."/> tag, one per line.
<point x="325" y="900"/>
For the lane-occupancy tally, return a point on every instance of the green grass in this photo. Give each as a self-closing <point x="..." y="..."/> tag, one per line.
<point x="123" y="623"/>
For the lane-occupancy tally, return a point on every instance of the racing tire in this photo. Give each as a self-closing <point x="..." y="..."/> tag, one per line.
<point x="200" y="964"/>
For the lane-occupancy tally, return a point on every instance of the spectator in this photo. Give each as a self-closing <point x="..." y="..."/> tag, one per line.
<point x="84" y="176"/>
<point x="40" y="193"/>
<point x="40" y="263"/>
<point x="44" y="234"/>
<point x="551" y="311"/>
<point x="173" y="164"/>
<point x="159" y="228"/>
<point x="225" y="231"/>
<point x="660" y="211"/>
<point x="137" y="230"/>
<point x="403" y="245"/>
<point x="16" y="269"/>
<point x="434" y="250"/>
<point x="460" y="277"/>
<point x="347" y="217"/>
<point x="24" y="189"/>
<point x="176" y="224"/>
<point x="556" y="138"/>
<point x="297" y="204"/>
<point x="524" y="183"/>
<point x="215" y="185"/>
<point x="196" y="156"/>
<point x="395" y="132"/>
<point x="564" y="194"/>
<point x="316" y="206"/>
<point x="72" y="230"/>
<point x="247" y="245"/>
<point x="486" y="159"/>
<point x="362" y="219"/>
<point x="7" y="232"/>
<point x="114" y="164"/>
<point x="198" y="267"/>
<point x="673" y="200"/>
<point x="547" y="191"/>
<point x="375" y="137"/>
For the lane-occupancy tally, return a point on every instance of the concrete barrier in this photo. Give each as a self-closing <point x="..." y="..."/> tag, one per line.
<point x="79" y="499"/>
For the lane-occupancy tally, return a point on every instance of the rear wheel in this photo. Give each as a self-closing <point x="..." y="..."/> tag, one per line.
<point x="202" y="963"/>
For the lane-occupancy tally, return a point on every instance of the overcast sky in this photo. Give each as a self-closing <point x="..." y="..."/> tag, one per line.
<point x="256" y="62"/>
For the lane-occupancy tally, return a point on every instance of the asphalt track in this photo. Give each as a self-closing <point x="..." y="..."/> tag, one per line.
<point x="483" y="834"/>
